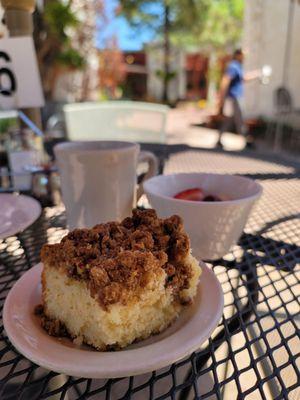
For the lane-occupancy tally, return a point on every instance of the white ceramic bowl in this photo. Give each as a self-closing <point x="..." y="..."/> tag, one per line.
<point x="213" y="227"/>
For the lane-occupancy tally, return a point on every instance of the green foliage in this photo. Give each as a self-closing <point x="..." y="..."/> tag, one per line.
<point x="189" y="16"/>
<point x="6" y="124"/>
<point x="224" y="25"/>
<point x="195" y="24"/>
<point x="165" y="76"/>
<point x="59" y="16"/>
<point x="52" y="36"/>
<point x="167" y="18"/>
<point x="185" y="14"/>
<point x="71" y="58"/>
<point x="219" y="27"/>
<point x="139" y="12"/>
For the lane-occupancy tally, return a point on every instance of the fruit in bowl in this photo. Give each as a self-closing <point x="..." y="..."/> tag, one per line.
<point x="197" y="194"/>
<point x="213" y="226"/>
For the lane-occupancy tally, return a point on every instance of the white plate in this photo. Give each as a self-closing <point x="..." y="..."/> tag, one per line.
<point x="17" y="212"/>
<point x="186" y="335"/>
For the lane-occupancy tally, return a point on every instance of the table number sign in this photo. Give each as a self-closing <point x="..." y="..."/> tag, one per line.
<point x="20" y="85"/>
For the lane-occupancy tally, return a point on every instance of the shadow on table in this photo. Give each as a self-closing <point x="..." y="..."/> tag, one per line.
<point x="261" y="249"/>
<point x="257" y="250"/>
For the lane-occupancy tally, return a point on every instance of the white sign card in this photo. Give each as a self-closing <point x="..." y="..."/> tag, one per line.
<point x="20" y="85"/>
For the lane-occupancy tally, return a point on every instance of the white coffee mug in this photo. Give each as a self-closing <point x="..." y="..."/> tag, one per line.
<point x="99" y="180"/>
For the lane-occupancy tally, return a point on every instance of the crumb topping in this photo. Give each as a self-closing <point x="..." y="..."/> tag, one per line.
<point x="115" y="259"/>
<point x="54" y="327"/>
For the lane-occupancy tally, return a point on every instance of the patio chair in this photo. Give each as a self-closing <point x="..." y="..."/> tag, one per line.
<point x="283" y="101"/>
<point x="116" y="120"/>
<point x="285" y="116"/>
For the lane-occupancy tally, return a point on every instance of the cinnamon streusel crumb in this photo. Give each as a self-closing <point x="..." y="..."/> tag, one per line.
<point x="118" y="259"/>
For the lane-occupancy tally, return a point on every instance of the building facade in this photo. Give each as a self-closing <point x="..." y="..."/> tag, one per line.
<point x="271" y="37"/>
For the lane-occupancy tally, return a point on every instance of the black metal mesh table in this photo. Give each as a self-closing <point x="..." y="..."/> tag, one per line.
<point x="255" y="351"/>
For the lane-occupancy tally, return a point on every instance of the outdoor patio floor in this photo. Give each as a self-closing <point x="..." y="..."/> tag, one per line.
<point x="181" y="129"/>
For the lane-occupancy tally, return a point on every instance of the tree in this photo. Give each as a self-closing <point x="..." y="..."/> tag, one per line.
<point x="218" y="36"/>
<point x="83" y="39"/>
<point x="165" y="17"/>
<point x="221" y="30"/>
<point x="52" y="42"/>
<point x="206" y="25"/>
<point x="64" y="35"/>
<point x="112" y="70"/>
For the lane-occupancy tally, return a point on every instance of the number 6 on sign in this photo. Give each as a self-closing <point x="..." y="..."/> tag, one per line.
<point x="9" y="74"/>
<point x="20" y="85"/>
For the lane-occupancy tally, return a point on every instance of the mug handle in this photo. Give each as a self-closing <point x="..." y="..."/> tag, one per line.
<point x="152" y="160"/>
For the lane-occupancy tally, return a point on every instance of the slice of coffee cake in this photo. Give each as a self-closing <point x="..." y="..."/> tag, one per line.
<point x="119" y="282"/>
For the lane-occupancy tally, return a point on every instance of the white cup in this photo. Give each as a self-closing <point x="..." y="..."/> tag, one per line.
<point x="99" y="180"/>
<point x="213" y="227"/>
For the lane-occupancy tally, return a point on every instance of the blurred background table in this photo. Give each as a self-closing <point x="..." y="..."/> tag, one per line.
<point x="254" y="352"/>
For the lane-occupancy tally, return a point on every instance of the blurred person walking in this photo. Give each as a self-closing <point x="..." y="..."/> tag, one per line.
<point x="230" y="94"/>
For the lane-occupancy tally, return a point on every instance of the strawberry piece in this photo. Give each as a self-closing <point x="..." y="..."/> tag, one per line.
<point x="195" y="194"/>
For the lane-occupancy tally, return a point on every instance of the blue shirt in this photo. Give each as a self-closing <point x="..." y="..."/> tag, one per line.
<point x="236" y="73"/>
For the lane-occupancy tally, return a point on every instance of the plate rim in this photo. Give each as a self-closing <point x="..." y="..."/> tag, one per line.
<point x="23" y="226"/>
<point x="122" y="367"/>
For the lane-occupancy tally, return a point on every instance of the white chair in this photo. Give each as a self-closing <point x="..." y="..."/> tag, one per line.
<point x="116" y="120"/>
